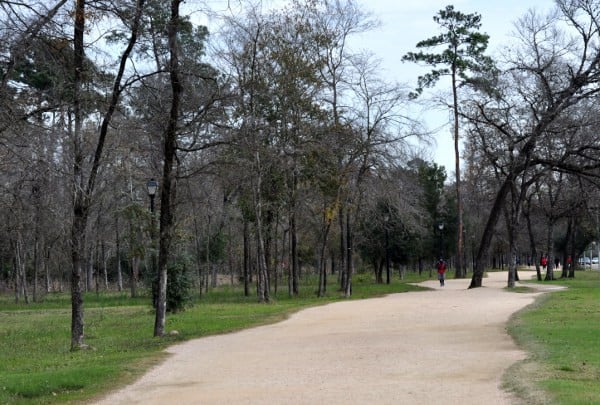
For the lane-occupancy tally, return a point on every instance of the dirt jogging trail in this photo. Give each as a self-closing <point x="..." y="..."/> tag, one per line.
<point x="448" y="345"/>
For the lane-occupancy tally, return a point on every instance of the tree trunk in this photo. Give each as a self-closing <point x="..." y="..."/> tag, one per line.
<point x="105" y="265"/>
<point x="135" y="270"/>
<point x="343" y="257"/>
<point x="550" y="250"/>
<point x="47" y="268"/>
<point x="118" y="256"/>
<point x="322" y="260"/>
<point x="294" y="253"/>
<point x="459" y="204"/>
<point x="36" y="266"/>
<point x="282" y="260"/>
<point x="167" y="191"/>
<point x="81" y="192"/>
<point x="89" y="278"/>
<point x="349" y="261"/>
<point x="37" y="242"/>
<point x="95" y="264"/>
<point x="80" y="208"/>
<point x="268" y="245"/>
<point x="262" y="282"/>
<point x="512" y="266"/>
<point x="21" y="271"/>
<point x="569" y="238"/>
<point x="15" y="268"/>
<point x="207" y="257"/>
<point x="198" y="255"/>
<point x="77" y="239"/>
<point x="246" y="263"/>
<point x="378" y="268"/>
<point x="572" y="252"/>
<point x="532" y="246"/>
<point x="488" y="232"/>
<point x="230" y="256"/>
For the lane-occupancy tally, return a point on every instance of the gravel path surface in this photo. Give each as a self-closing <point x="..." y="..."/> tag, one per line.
<point x="446" y="346"/>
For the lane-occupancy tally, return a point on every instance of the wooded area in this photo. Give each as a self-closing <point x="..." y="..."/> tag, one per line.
<point x="278" y="151"/>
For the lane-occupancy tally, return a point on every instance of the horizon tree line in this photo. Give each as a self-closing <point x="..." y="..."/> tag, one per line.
<point x="278" y="151"/>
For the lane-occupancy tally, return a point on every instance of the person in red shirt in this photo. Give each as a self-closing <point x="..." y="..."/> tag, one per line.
<point x="441" y="270"/>
<point x="544" y="262"/>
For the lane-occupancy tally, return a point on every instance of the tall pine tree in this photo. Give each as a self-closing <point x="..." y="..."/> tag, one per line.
<point x="461" y="57"/>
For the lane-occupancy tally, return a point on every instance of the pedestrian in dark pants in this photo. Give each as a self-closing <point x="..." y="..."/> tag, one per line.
<point x="441" y="270"/>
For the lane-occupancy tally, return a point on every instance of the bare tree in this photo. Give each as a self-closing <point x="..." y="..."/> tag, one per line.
<point x="168" y="177"/>
<point x="549" y="78"/>
<point x="84" y="185"/>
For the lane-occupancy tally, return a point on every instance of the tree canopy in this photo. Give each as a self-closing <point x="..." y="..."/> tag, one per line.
<point x="279" y="150"/>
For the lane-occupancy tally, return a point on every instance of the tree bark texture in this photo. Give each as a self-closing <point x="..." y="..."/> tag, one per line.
<point x="262" y="275"/>
<point x="349" y="261"/>
<point x="532" y="245"/>
<point x="246" y="264"/>
<point x="488" y="232"/>
<point x="82" y="192"/>
<point x="80" y="209"/>
<point x="322" y="259"/>
<point x="168" y="181"/>
<point x="550" y="251"/>
<point x="459" y="201"/>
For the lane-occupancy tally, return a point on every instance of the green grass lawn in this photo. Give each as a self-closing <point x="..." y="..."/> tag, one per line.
<point x="37" y="366"/>
<point x="562" y="333"/>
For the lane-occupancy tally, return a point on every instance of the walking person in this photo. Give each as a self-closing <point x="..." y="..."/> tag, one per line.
<point x="441" y="270"/>
<point x="544" y="262"/>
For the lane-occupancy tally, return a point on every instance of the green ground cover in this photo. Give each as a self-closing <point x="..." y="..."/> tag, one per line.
<point x="37" y="366"/>
<point x="561" y="332"/>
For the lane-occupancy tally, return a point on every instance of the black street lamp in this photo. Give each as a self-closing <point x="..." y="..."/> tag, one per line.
<point x="441" y="229"/>
<point x="152" y="186"/>
<point x="473" y="253"/>
<point x="386" y="219"/>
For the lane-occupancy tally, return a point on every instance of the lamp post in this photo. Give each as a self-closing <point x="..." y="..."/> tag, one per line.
<point x="152" y="186"/>
<point x="472" y="253"/>
<point x="386" y="219"/>
<point x="441" y="229"/>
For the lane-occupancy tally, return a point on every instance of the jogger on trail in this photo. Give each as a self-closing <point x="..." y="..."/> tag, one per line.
<point x="441" y="269"/>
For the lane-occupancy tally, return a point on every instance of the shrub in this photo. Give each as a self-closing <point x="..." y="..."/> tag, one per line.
<point x="179" y="286"/>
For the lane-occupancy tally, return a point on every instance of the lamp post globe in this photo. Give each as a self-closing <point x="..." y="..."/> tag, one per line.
<point x="151" y="187"/>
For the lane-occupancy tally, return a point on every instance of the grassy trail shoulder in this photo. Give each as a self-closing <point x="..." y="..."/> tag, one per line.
<point x="561" y="333"/>
<point x="37" y="366"/>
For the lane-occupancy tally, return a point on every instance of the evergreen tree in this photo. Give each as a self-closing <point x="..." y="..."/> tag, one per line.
<point x="462" y="54"/>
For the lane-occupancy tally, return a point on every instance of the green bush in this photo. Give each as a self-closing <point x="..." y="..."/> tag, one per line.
<point x="179" y="286"/>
